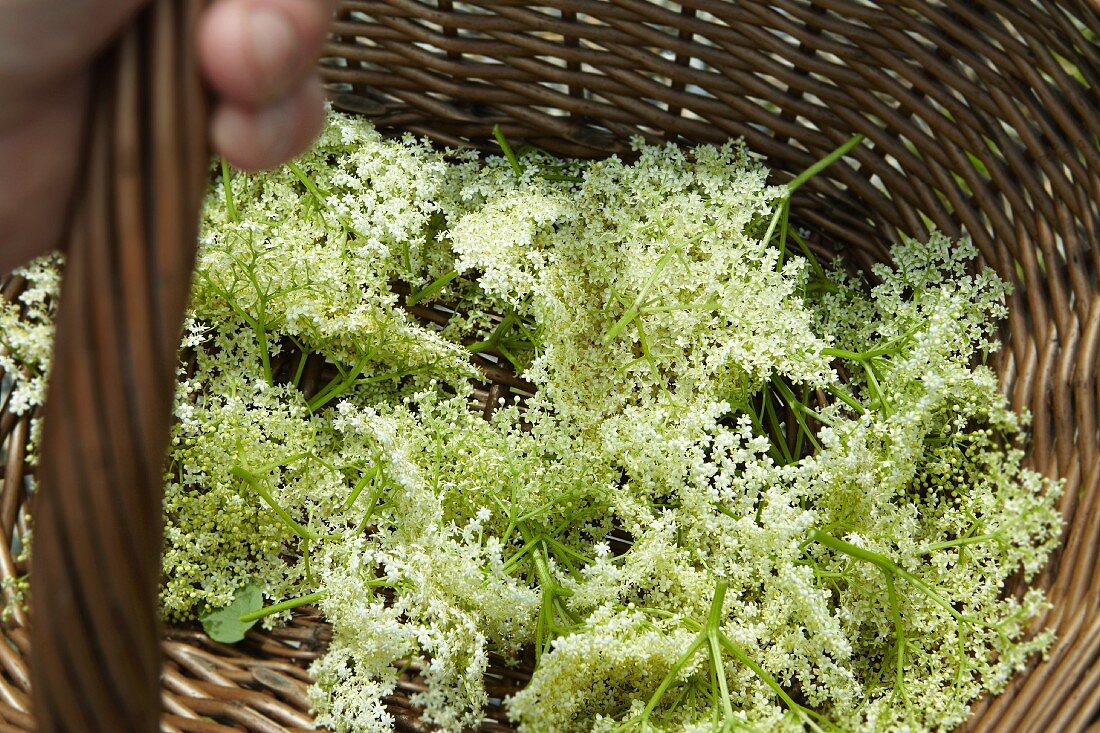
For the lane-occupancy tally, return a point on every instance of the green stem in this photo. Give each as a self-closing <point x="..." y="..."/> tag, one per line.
<point x="506" y="148"/>
<point x="715" y="651"/>
<point x="758" y="428"/>
<point x="512" y="359"/>
<point x="432" y="289"/>
<point x="774" y="222"/>
<point x="265" y="353"/>
<point x="564" y="550"/>
<point x="717" y="638"/>
<point x="673" y="673"/>
<point x="282" y="606"/>
<point x="886" y="350"/>
<point x="899" y="633"/>
<point x="256" y="484"/>
<point x="647" y="353"/>
<point x="358" y="488"/>
<point x="552" y="605"/>
<point x="310" y="185"/>
<point x="230" y="204"/>
<point x="368" y="512"/>
<point x="513" y="562"/>
<point x="808" y="253"/>
<point x="847" y="548"/>
<point x="782" y="209"/>
<point x="800" y="410"/>
<point x="387" y="376"/>
<point x="19" y="359"/>
<point x="639" y="301"/>
<point x="561" y="177"/>
<point x="777" y="429"/>
<point x="341" y="384"/>
<point x="301" y="367"/>
<point x="621" y="324"/>
<point x="824" y="163"/>
<point x="960" y="542"/>
<point x="843" y="354"/>
<point x="842" y="394"/>
<point x="784" y="226"/>
<point x="759" y="671"/>
<point x="889" y="566"/>
<point x="873" y="386"/>
<point x="723" y="510"/>
<point x="281" y="463"/>
<point x="712" y="637"/>
<point x="494" y="337"/>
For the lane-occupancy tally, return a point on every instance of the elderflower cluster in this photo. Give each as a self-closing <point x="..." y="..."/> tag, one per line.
<point x="26" y="332"/>
<point x="749" y="491"/>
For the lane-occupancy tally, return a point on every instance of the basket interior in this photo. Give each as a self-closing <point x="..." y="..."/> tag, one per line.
<point x="980" y="120"/>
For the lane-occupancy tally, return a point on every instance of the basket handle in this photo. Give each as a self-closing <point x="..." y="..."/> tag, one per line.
<point x="131" y="243"/>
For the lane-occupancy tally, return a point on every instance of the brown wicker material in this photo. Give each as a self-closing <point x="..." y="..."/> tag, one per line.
<point x="981" y="117"/>
<point x="131" y="249"/>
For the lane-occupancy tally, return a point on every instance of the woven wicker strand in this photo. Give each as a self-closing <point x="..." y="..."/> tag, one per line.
<point x="981" y="118"/>
<point x="96" y="559"/>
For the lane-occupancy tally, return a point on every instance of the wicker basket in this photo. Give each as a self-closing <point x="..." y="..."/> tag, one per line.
<point x="981" y="117"/>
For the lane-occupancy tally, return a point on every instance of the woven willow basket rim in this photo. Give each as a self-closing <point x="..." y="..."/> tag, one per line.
<point x="980" y="118"/>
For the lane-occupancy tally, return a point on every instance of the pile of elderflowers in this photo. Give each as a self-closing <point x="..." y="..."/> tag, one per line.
<point x="749" y="491"/>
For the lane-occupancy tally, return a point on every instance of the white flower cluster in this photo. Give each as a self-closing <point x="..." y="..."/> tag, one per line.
<point x="750" y="492"/>
<point x="26" y="333"/>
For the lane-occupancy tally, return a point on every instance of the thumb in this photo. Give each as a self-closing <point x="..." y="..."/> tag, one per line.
<point x="42" y="41"/>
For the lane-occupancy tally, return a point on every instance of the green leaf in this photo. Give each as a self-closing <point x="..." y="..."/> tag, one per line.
<point x="224" y="624"/>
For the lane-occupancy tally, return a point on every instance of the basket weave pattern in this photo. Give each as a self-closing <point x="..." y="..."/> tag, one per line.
<point x="980" y="118"/>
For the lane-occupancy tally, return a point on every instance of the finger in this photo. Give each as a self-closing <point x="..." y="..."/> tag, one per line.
<point x="46" y="41"/>
<point x="254" y="52"/>
<point x="254" y="139"/>
<point x="38" y="171"/>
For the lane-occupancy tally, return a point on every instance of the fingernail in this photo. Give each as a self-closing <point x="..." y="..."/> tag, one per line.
<point x="274" y="48"/>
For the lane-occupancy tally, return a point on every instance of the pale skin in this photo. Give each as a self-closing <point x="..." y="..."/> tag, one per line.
<point x="257" y="56"/>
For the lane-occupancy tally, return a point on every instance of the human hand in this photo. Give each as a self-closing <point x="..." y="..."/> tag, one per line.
<point x="256" y="55"/>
